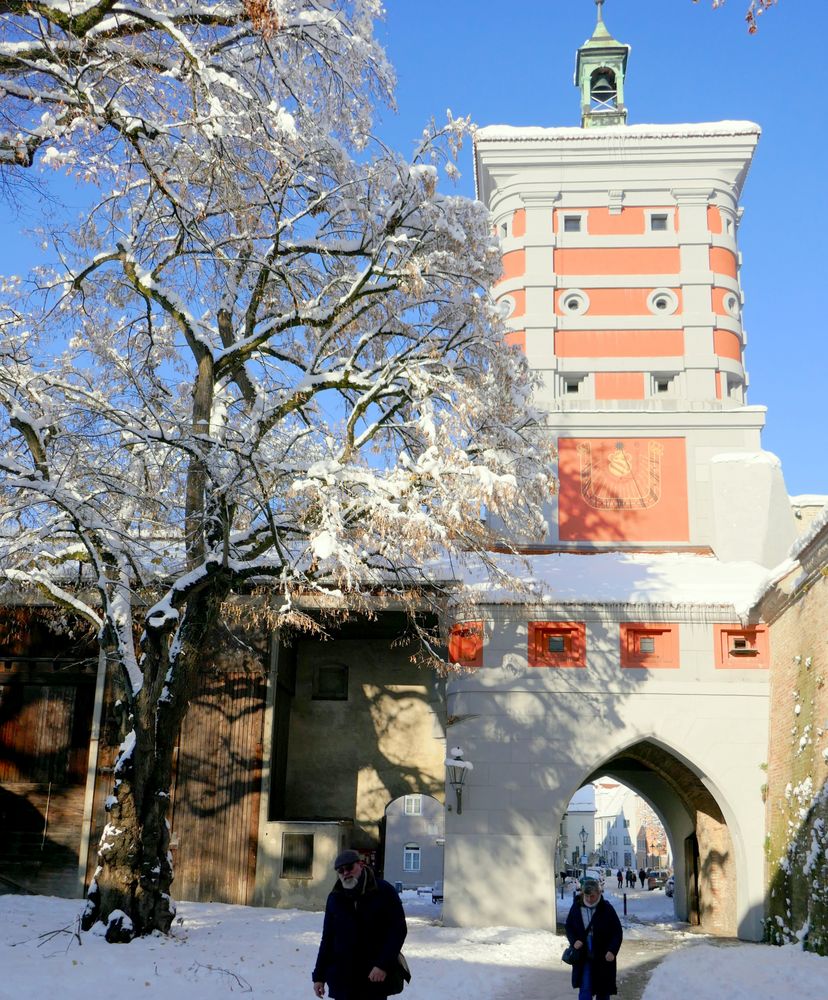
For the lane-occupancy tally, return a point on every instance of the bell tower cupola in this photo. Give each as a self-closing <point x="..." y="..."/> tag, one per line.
<point x="599" y="74"/>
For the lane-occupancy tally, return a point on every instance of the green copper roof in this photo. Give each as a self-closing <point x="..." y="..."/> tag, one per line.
<point x="601" y="36"/>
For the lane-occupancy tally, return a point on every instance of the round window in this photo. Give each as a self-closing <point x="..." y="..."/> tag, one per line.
<point x="575" y="303"/>
<point x="731" y="304"/>
<point x="662" y="300"/>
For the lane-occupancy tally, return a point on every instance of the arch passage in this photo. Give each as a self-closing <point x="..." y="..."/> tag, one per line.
<point x="704" y="861"/>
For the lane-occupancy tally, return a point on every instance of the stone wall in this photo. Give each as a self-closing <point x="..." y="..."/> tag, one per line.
<point x="797" y="785"/>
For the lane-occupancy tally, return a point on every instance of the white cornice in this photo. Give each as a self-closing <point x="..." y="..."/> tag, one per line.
<point x="515" y="133"/>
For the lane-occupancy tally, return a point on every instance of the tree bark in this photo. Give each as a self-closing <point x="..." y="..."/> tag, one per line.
<point x="131" y="890"/>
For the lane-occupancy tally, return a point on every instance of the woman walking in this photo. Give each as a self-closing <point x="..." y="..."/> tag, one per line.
<point x="594" y="931"/>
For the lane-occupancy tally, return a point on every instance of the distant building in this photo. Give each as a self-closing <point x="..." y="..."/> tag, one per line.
<point x="414" y="840"/>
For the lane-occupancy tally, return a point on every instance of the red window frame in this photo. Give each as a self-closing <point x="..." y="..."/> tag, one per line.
<point x="573" y="653"/>
<point x="754" y="655"/>
<point x="665" y="654"/>
<point x="465" y="645"/>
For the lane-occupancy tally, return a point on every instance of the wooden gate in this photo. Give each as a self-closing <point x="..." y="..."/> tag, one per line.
<point x="215" y="810"/>
<point x="216" y="786"/>
<point x="45" y="720"/>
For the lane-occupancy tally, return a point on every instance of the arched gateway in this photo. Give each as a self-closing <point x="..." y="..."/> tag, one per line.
<point x="688" y="735"/>
<point x="630" y="651"/>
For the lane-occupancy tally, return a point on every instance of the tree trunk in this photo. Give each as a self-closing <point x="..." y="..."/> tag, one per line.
<point x="130" y="892"/>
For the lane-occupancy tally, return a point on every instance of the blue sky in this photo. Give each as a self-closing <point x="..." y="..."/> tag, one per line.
<point x="513" y="64"/>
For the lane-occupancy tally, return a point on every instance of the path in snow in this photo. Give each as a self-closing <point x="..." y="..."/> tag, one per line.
<point x="636" y="963"/>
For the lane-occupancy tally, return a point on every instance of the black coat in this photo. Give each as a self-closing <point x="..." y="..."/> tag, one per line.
<point x="606" y="936"/>
<point x="364" y="927"/>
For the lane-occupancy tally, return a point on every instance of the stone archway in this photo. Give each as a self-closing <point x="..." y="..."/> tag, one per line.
<point x="703" y="851"/>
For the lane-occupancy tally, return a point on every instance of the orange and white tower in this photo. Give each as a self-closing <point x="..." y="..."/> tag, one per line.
<point x="632" y="651"/>
<point x="621" y="285"/>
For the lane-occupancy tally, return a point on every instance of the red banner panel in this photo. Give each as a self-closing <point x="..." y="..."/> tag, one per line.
<point x="622" y="489"/>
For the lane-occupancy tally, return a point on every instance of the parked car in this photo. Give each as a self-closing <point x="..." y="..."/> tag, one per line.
<point x="656" y="879"/>
<point x="670" y="886"/>
<point x="437" y="891"/>
<point x="597" y="874"/>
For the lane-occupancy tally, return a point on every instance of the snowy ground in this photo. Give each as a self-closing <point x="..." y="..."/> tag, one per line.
<point x="218" y="951"/>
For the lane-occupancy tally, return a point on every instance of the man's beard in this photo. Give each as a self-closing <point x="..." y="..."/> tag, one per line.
<point x="350" y="882"/>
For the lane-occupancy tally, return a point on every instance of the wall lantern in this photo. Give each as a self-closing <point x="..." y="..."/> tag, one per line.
<point x="457" y="770"/>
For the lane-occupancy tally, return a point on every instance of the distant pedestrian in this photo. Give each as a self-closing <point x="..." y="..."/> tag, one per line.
<point x="630" y="878"/>
<point x="642" y="875"/>
<point x="620" y="876"/>
<point x="594" y="931"/>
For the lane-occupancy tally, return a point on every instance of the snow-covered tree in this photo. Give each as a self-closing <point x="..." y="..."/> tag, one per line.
<point x="755" y="9"/>
<point x="266" y="358"/>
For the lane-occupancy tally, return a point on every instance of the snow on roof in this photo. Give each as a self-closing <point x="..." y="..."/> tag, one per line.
<point x="498" y="133"/>
<point x="809" y="500"/>
<point x="810" y="533"/>
<point x="749" y="458"/>
<point x="622" y="578"/>
<point x="583" y="800"/>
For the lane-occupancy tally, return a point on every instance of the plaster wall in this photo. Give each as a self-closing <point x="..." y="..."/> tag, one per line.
<point x="390" y="738"/>
<point x="345" y="759"/>
<point x="535" y="735"/>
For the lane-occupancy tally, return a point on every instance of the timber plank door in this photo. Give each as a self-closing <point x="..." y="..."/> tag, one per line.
<point x="215" y="806"/>
<point x="46" y="705"/>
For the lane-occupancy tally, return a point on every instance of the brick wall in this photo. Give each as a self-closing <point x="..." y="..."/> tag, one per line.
<point x="797" y="785"/>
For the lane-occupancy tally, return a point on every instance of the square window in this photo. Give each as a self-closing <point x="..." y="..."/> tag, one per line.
<point x="413" y="805"/>
<point x="572" y="387"/>
<point x="572" y="223"/>
<point x="646" y="645"/>
<point x="658" y="223"/>
<point x="741" y="648"/>
<point x="466" y="644"/>
<point x="411" y="858"/>
<point x="557" y="644"/>
<point x="297" y="855"/>
<point x="330" y="682"/>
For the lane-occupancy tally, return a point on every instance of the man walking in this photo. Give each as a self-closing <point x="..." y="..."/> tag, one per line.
<point x="362" y="935"/>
